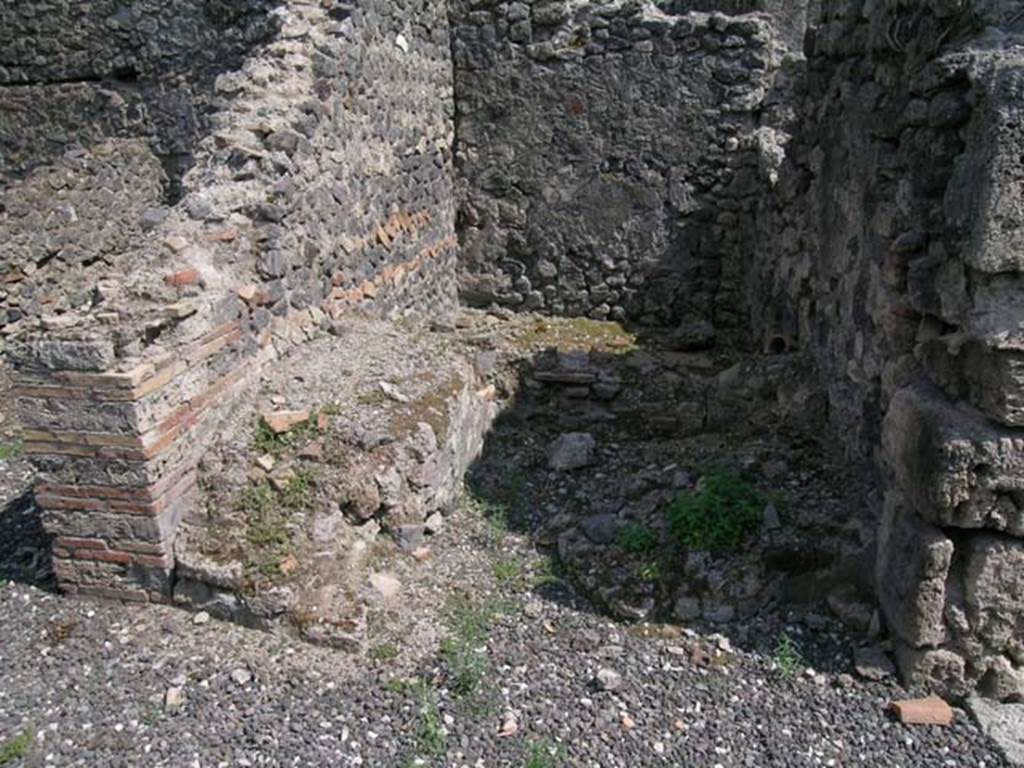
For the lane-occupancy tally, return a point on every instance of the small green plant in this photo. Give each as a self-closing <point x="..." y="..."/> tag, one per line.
<point x="17" y="747"/>
<point x="636" y="539"/>
<point x="547" y="571"/>
<point x="258" y="499"/>
<point x="384" y="652"/>
<point x="720" y="516"/>
<point x="508" y="571"/>
<point x="651" y="572"/>
<point x="265" y="530"/>
<point x="298" y="490"/>
<point x="468" y="625"/>
<point x="498" y="501"/>
<point x="787" y="656"/>
<point x="545" y="755"/>
<point x="496" y="518"/>
<point x="467" y="666"/>
<point x="10" y="450"/>
<point x="430" y="734"/>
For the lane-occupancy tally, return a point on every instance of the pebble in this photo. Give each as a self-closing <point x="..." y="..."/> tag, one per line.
<point x="608" y="680"/>
<point x="174" y="700"/>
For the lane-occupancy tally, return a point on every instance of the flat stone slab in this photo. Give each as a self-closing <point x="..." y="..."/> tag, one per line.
<point x="1004" y="724"/>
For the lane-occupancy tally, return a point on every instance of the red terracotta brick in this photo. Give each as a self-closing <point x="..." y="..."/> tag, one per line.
<point x="929" y="711"/>
<point x="162" y="562"/>
<point x="182" y="278"/>
<point x="282" y="421"/>
<point x="105" y="556"/>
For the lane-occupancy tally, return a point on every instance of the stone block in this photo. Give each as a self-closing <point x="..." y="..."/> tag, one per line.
<point x="984" y="197"/>
<point x="994" y="589"/>
<point x="912" y="567"/>
<point x="952" y="466"/>
<point x="932" y="669"/>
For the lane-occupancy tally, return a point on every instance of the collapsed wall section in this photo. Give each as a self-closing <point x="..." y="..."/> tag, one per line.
<point x="895" y="259"/>
<point x="601" y="167"/>
<point x="319" y="184"/>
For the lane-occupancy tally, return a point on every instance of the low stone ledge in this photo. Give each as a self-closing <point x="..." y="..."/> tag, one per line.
<point x="288" y="518"/>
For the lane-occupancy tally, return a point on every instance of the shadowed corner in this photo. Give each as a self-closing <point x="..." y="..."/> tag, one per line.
<point x="25" y="546"/>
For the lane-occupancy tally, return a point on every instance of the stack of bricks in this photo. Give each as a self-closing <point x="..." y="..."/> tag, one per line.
<point x="116" y="445"/>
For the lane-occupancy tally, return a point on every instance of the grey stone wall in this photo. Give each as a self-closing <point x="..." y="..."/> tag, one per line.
<point x="74" y="73"/>
<point x="790" y="17"/>
<point x="337" y="136"/>
<point x="318" y="170"/>
<point x="599" y="158"/>
<point x="318" y="183"/>
<point x="65" y="227"/>
<point x="891" y="255"/>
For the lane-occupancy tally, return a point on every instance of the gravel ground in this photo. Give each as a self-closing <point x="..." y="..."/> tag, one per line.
<point x="97" y="683"/>
<point x="486" y="657"/>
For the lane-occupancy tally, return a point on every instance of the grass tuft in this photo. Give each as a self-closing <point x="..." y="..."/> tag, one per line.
<point x="508" y="570"/>
<point x="384" y="652"/>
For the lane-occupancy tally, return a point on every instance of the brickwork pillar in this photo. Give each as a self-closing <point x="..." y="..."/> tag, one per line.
<point x="116" y="445"/>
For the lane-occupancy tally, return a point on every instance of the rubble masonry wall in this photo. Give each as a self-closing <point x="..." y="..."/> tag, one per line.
<point x="895" y="259"/>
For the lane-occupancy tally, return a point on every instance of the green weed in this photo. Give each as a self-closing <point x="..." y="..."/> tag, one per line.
<point x="265" y="440"/>
<point x="718" y="518"/>
<point x="651" y="572"/>
<point x="430" y="734"/>
<point x="787" y="656"/>
<point x="636" y="539"/>
<point x="547" y="571"/>
<point x="258" y="499"/>
<point x="508" y="571"/>
<point x="17" y="747"/>
<point x="298" y="490"/>
<point x="468" y="626"/>
<point x="545" y="755"/>
<point x="384" y="652"/>
<point x="265" y="530"/>
<point x="10" y="450"/>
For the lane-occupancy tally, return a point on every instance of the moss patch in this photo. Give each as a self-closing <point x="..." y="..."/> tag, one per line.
<point x="577" y="333"/>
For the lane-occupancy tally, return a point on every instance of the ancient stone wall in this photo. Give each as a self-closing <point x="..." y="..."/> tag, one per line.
<point x="789" y="17"/>
<point x="892" y="254"/>
<point x="76" y="73"/>
<point x="600" y="168"/>
<point x="319" y="183"/>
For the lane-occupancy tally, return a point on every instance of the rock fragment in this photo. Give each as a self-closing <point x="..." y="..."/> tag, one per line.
<point x="608" y="680"/>
<point x="174" y="699"/>
<point x="572" y="450"/>
<point x="280" y="422"/>
<point x="873" y="663"/>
